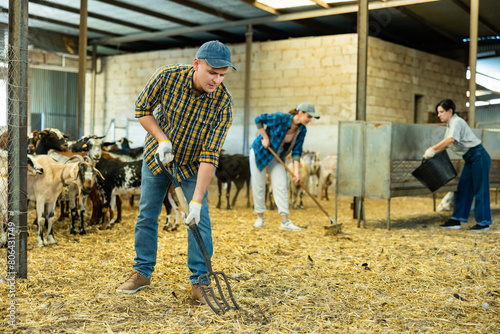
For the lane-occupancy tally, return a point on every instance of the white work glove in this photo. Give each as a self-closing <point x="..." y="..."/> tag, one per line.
<point x="429" y="153"/>
<point x="194" y="213"/>
<point x="164" y="151"/>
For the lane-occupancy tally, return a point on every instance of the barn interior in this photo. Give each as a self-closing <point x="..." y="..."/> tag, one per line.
<point x="159" y="31"/>
<point x="88" y="60"/>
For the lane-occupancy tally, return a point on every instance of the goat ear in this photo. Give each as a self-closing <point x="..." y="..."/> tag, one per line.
<point x="65" y="135"/>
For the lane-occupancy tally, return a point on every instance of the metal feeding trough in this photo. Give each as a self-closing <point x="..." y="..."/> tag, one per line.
<point x="376" y="160"/>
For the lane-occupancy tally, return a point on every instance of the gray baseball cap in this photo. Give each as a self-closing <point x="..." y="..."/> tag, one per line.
<point x="216" y="54"/>
<point x="308" y="108"/>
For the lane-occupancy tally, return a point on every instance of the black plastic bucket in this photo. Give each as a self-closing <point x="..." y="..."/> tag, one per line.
<point x="436" y="171"/>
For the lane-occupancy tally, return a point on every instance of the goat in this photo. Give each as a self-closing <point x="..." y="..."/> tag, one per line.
<point x="93" y="145"/>
<point x="50" y="139"/>
<point x="126" y="152"/>
<point x="171" y="204"/>
<point x="328" y="173"/>
<point x="4" y="137"/>
<point x="269" y="191"/>
<point x="312" y="158"/>
<point x="448" y="202"/>
<point x="295" y="189"/>
<point x="32" y="137"/>
<point x="118" y="177"/>
<point x="34" y="168"/>
<point x="45" y="190"/>
<point x="75" y="194"/>
<point x="233" y="168"/>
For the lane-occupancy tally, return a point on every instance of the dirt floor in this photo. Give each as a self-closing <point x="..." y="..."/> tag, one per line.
<point x="414" y="278"/>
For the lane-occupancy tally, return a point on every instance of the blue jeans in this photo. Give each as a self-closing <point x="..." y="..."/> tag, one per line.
<point x="153" y="191"/>
<point x="474" y="182"/>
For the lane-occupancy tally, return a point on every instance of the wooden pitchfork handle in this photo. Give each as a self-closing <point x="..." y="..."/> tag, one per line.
<point x="300" y="183"/>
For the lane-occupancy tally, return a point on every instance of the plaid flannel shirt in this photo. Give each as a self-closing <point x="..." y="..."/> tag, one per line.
<point x="196" y="125"/>
<point x="277" y="124"/>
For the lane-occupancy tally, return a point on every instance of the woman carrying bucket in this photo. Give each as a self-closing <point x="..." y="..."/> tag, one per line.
<point x="474" y="180"/>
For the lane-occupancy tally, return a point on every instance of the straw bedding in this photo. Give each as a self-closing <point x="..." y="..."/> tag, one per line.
<point x="413" y="278"/>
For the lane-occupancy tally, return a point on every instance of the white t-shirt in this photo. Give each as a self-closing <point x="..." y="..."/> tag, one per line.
<point x="459" y="130"/>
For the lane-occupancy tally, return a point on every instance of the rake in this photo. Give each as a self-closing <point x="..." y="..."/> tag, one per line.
<point x="218" y="276"/>
<point x="333" y="228"/>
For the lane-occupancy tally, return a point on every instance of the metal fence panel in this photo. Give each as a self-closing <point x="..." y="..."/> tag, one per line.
<point x="350" y="158"/>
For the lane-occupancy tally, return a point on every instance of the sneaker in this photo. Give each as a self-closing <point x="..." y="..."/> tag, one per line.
<point x="480" y="228"/>
<point x="197" y="294"/>
<point x="134" y="283"/>
<point x="287" y="225"/>
<point x="451" y="223"/>
<point x="259" y="222"/>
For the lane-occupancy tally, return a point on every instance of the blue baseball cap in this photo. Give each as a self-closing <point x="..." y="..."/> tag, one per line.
<point x="216" y="54"/>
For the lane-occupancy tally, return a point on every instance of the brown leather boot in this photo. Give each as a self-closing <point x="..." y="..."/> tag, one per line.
<point x="197" y="294"/>
<point x="134" y="283"/>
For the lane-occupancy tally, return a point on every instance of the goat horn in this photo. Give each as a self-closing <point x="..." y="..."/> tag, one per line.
<point x="99" y="173"/>
<point x="75" y="157"/>
<point x="89" y="159"/>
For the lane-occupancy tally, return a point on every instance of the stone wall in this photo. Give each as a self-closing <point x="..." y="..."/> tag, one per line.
<point x="321" y="70"/>
<point x="398" y="76"/>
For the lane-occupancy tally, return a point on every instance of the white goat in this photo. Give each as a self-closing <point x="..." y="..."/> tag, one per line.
<point x="45" y="190"/>
<point x="296" y="190"/>
<point x="312" y="158"/>
<point x="328" y="174"/>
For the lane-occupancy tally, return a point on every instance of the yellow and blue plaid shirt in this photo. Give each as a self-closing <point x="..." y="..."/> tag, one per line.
<point x="196" y="125"/>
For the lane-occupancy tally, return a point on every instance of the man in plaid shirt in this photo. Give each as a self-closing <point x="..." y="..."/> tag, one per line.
<point x="194" y="111"/>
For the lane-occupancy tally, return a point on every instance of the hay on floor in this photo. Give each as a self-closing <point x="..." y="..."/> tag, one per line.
<point x="415" y="277"/>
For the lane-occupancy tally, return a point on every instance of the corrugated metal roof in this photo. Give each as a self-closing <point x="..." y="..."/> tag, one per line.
<point x="430" y="25"/>
<point x="436" y="26"/>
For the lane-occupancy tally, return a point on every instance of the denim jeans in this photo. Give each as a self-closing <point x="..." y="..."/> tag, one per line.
<point x="153" y="191"/>
<point x="474" y="182"/>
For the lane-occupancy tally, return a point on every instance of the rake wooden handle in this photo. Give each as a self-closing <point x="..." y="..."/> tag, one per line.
<point x="300" y="183"/>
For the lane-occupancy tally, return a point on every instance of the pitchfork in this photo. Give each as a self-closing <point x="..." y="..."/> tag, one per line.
<point x="210" y="275"/>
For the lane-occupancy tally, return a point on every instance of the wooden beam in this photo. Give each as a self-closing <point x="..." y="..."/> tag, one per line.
<point x="263" y="7"/>
<point x="321" y="3"/>
<point x="228" y="17"/>
<point x="268" y="19"/>
<point x="82" y="66"/>
<point x="474" y="20"/>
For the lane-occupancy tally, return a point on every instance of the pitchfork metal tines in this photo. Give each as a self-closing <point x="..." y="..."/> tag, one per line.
<point x="221" y="302"/>
<point x="215" y="298"/>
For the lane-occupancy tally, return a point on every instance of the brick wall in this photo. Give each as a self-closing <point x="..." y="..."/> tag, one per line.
<point x="321" y="70"/>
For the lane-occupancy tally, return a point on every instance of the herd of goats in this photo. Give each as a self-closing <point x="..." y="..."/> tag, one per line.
<point x="67" y="174"/>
